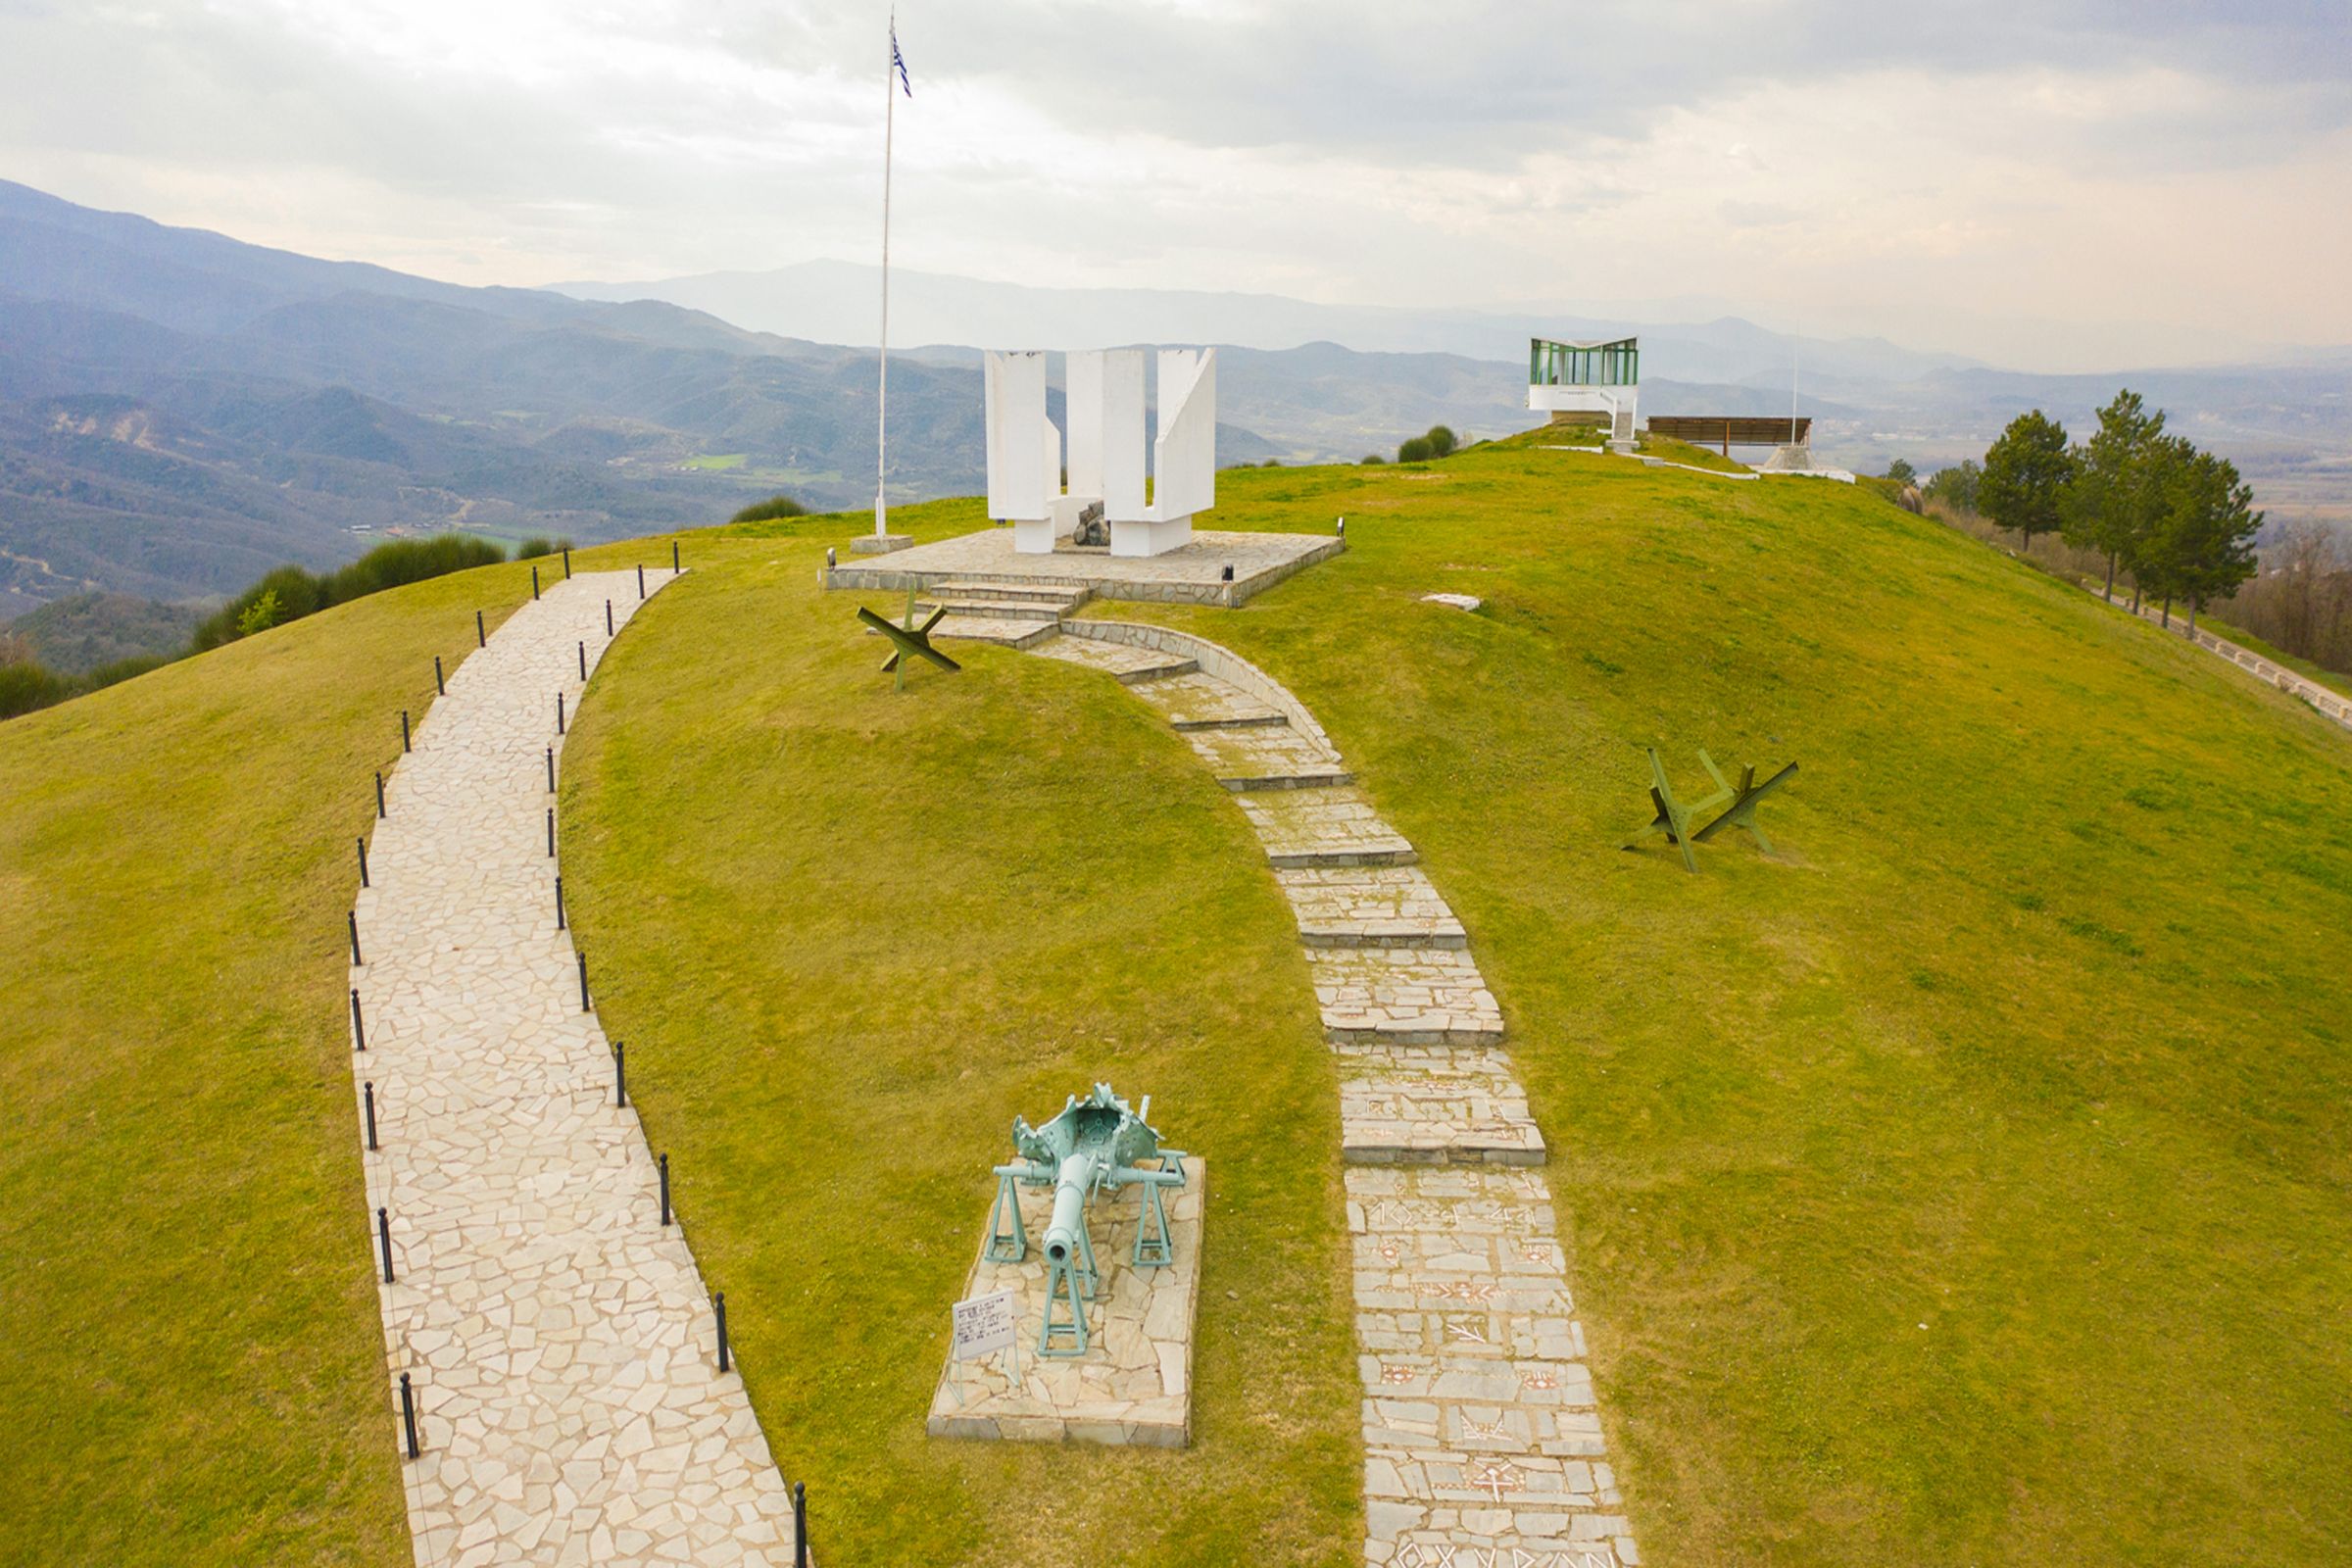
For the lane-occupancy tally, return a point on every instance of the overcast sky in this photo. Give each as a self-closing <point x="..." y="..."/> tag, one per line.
<point x="2052" y="184"/>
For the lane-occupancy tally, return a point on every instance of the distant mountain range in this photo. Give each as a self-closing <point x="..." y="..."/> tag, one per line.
<point x="179" y="411"/>
<point x="838" y="301"/>
<point x="2287" y="424"/>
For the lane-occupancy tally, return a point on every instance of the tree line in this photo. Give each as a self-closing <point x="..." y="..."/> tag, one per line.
<point x="2155" y="506"/>
<point x="286" y="593"/>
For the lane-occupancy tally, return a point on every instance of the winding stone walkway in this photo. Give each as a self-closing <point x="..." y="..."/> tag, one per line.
<point x="1482" y="1434"/>
<point x="559" y="1338"/>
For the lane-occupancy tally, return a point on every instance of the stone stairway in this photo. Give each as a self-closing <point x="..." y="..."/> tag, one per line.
<point x="1482" y="1434"/>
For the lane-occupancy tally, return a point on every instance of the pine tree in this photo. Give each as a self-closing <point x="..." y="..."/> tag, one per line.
<point x="2114" y="503"/>
<point x="2209" y="528"/>
<point x="2026" y="475"/>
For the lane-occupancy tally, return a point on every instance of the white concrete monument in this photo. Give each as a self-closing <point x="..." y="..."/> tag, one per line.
<point x="1104" y="407"/>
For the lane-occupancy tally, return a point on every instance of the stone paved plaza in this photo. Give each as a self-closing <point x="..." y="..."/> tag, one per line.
<point x="1193" y="574"/>
<point x="1483" y="1441"/>
<point x="557" y="1337"/>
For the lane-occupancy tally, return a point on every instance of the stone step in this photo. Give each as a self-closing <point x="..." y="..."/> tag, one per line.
<point x="1004" y="608"/>
<point x="1369" y="907"/>
<point x="1262" y="758"/>
<point x="1403" y="996"/>
<point x="991" y="629"/>
<point x="1432" y="1106"/>
<point x="1201" y="702"/>
<point x="1067" y="595"/>
<point x="1323" y="826"/>
<point x="1130" y="665"/>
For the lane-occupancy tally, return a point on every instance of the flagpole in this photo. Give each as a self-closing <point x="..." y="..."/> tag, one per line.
<point x="890" y="93"/>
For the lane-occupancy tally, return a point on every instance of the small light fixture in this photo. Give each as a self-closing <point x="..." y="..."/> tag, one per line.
<point x="1342" y="527"/>
<point x="1229" y="573"/>
<point x="829" y="558"/>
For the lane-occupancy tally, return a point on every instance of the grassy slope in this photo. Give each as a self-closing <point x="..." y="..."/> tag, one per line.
<point x="195" y="1367"/>
<point x="847" y="935"/>
<point x="2035" y="1037"/>
<point x="1969" y="1185"/>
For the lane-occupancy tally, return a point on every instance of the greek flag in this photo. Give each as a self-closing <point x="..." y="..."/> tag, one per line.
<point x="897" y="62"/>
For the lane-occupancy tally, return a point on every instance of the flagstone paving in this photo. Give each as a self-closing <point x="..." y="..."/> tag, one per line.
<point x="559" y="1338"/>
<point x="1483" y="1441"/>
<point x="1405" y="996"/>
<point x="1328" y="825"/>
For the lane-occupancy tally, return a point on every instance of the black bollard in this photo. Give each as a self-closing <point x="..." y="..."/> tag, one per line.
<point x="800" y="1524"/>
<point x="363" y="842"/>
<point x="620" y="1074"/>
<point x="404" y="729"/>
<point x="608" y="619"/>
<point x="568" y="566"/>
<point x="383" y="1230"/>
<point x="664" y="1164"/>
<point x="718" y="1304"/>
<point x="534" y="582"/>
<point x="408" y="1413"/>
<point x="641" y="580"/>
<point x="355" y="938"/>
<point x="674" y="568"/>
<point x="551" y="832"/>
<point x="440" y="686"/>
<point x="583" y="661"/>
<point x="559" y="713"/>
<point x="369" y="1090"/>
<point x="359" y="1028"/>
<point x="379" y="792"/>
<point x="558" y="901"/>
<point x="481" y="638"/>
<point x="583" y="957"/>
<point x="1228" y="577"/>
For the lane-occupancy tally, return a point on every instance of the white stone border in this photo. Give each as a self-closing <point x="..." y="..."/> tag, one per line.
<point x="1223" y="663"/>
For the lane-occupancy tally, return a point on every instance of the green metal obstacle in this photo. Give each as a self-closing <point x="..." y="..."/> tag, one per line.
<point x="910" y="639"/>
<point x="1673" y="819"/>
<point x="1097" y="1143"/>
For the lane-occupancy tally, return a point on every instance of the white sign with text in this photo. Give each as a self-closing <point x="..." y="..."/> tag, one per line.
<point x="984" y="1325"/>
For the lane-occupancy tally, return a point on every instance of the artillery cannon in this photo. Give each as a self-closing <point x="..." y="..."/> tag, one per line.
<point x="1097" y="1143"/>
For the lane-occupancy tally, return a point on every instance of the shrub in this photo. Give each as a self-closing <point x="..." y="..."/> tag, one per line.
<point x="123" y="669"/>
<point x="295" y="592"/>
<point x="406" y="561"/>
<point x="534" y="547"/>
<point x="772" y="508"/>
<point x="1417" y="449"/>
<point x="1901" y="472"/>
<point x="260" y="615"/>
<point x="1441" y="441"/>
<point x="1374" y="457"/>
<point x="26" y="686"/>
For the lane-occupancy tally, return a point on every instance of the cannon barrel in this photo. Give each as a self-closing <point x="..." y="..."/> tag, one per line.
<point x="1070" y="1185"/>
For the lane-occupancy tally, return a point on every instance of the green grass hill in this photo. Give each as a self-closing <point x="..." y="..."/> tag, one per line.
<point x="1967" y="1184"/>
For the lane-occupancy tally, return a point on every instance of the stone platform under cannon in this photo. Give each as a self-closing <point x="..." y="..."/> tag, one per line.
<point x="1134" y="1385"/>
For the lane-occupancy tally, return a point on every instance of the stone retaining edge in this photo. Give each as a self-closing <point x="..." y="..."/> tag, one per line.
<point x="1221" y="662"/>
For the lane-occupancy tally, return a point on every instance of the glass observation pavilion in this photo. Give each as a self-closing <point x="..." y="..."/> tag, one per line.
<point x="1596" y="382"/>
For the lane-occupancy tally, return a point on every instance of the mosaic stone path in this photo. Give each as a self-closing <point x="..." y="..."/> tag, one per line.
<point x="559" y="1338"/>
<point x="1483" y="1445"/>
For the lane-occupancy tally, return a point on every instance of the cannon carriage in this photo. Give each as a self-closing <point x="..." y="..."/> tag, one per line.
<point x="1097" y="1143"/>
